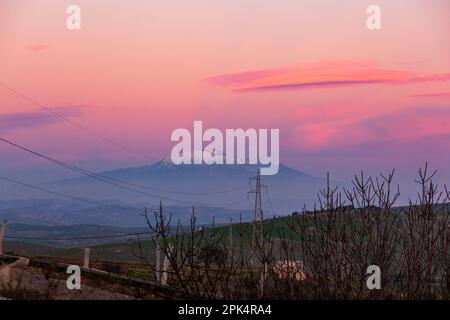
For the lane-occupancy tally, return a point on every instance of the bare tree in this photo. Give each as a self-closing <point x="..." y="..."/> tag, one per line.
<point x="323" y="253"/>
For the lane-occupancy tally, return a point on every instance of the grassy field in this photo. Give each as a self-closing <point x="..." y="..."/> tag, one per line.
<point x="131" y="250"/>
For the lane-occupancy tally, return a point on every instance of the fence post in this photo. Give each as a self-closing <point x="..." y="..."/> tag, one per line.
<point x="2" y="235"/>
<point x="87" y="257"/>
<point x="166" y="266"/>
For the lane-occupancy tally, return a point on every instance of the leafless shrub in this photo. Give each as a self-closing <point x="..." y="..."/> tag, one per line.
<point x="319" y="254"/>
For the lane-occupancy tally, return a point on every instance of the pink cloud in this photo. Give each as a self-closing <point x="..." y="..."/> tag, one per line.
<point x="35" y="119"/>
<point x="322" y="75"/>
<point x="395" y="128"/>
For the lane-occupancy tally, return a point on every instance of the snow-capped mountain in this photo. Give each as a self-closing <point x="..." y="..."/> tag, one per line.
<point x="219" y="191"/>
<point x="223" y="186"/>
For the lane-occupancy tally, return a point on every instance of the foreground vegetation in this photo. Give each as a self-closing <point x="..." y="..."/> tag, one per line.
<point x="318" y="254"/>
<point x="324" y="253"/>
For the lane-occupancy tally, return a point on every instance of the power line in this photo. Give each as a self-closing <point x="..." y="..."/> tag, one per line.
<point x="68" y="196"/>
<point x="49" y="110"/>
<point x="103" y="178"/>
<point x="268" y="198"/>
<point x="73" y="123"/>
<point x="73" y="167"/>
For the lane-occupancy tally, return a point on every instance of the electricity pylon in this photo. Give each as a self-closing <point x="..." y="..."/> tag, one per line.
<point x="258" y="215"/>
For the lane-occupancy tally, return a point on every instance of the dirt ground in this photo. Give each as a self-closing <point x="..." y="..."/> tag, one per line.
<point x="22" y="280"/>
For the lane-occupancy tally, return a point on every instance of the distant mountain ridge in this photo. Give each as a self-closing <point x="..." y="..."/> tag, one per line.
<point x="182" y="182"/>
<point x="214" y="190"/>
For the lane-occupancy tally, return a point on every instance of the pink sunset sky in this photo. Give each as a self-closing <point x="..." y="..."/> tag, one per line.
<point x="344" y="98"/>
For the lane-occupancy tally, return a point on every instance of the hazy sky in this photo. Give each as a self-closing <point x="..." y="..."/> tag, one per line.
<point x="345" y="98"/>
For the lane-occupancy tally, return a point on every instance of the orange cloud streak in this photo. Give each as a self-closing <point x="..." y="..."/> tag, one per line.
<point x="328" y="74"/>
